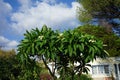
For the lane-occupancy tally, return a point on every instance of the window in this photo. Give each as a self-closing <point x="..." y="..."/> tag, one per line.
<point x="115" y="65"/>
<point x="119" y="66"/>
<point x="100" y="69"/>
<point x="106" y="68"/>
<point x="94" y="69"/>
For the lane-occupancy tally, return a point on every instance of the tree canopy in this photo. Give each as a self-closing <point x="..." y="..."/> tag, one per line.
<point x="7" y="54"/>
<point x="11" y="69"/>
<point x="61" y="48"/>
<point x="105" y="12"/>
<point x="111" y="40"/>
<point x="9" y="65"/>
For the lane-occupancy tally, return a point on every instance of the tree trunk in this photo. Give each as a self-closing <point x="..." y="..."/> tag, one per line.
<point x="106" y="25"/>
<point x="52" y="74"/>
<point x="73" y="76"/>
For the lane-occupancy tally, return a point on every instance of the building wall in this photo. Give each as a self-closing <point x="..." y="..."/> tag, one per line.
<point x="104" y="69"/>
<point x="103" y="78"/>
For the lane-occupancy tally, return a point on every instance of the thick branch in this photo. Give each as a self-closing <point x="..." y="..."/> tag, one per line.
<point x="44" y="61"/>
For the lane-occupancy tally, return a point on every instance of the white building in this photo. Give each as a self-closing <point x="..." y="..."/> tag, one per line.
<point x="105" y="69"/>
<point x="102" y="69"/>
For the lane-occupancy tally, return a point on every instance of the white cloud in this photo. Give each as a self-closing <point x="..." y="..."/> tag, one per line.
<point x="34" y="14"/>
<point x="25" y="4"/>
<point x="49" y="1"/>
<point x="5" y="10"/>
<point x="5" y="27"/>
<point x="57" y="16"/>
<point x="8" y="44"/>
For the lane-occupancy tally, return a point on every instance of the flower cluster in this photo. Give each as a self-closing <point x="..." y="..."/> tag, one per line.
<point x="40" y="37"/>
<point x="92" y="41"/>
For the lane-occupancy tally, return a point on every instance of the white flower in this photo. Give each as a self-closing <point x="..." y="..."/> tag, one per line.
<point x="92" y="41"/>
<point x="104" y="44"/>
<point x="60" y="34"/>
<point x="40" y="37"/>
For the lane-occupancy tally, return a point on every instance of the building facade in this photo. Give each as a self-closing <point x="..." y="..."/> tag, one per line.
<point x="105" y="69"/>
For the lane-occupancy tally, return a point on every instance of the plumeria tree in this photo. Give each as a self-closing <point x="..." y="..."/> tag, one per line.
<point x="69" y="51"/>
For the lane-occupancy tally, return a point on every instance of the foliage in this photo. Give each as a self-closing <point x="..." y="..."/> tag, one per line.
<point x="7" y="54"/>
<point x="83" y="77"/>
<point x="103" y="9"/>
<point x="30" y="70"/>
<point x="106" y="11"/>
<point x="9" y="67"/>
<point x="30" y="73"/>
<point x="37" y="43"/>
<point x="77" y="77"/>
<point x="62" y="49"/>
<point x="111" y="41"/>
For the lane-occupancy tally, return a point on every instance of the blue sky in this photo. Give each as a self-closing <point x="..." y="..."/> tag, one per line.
<point x="17" y="16"/>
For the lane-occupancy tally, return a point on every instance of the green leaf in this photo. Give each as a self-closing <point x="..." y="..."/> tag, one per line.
<point x="52" y="56"/>
<point x="71" y="40"/>
<point x="95" y="48"/>
<point x="37" y="30"/>
<point x="90" y="50"/>
<point x="93" y="55"/>
<point x="25" y="41"/>
<point x="44" y="28"/>
<point x="60" y="49"/>
<point x="70" y="50"/>
<point x="22" y="58"/>
<point x="87" y="59"/>
<point x="82" y="46"/>
<point x="75" y="47"/>
<point x="42" y="51"/>
<point x="28" y="50"/>
<point x="106" y="53"/>
<point x="41" y="44"/>
<point x="66" y="51"/>
<point x="36" y="48"/>
<point x="33" y="51"/>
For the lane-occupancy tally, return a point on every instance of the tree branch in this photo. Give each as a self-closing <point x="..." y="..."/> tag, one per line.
<point x="44" y="61"/>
